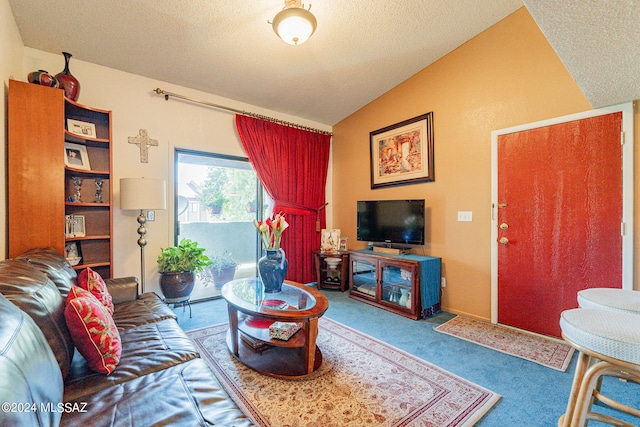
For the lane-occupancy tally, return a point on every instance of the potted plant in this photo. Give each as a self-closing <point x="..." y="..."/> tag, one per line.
<point x="214" y="201"/>
<point x="223" y="268"/>
<point x="212" y="192"/>
<point x="178" y="266"/>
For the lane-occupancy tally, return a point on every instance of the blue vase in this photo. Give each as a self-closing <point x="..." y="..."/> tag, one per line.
<point x="272" y="268"/>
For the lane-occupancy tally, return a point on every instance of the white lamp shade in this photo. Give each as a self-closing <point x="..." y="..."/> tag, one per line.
<point x="142" y="194"/>
<point x="294" y="25"/>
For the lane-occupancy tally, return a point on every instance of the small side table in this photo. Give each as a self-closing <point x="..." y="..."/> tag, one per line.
<point x="322" y="270"/>
<point x="177" y="302"/>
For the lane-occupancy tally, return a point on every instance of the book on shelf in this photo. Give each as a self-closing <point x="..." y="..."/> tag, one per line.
<point x="254" y="344"/>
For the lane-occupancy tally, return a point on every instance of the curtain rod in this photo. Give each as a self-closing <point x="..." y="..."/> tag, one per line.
<point x="242" y="112"/>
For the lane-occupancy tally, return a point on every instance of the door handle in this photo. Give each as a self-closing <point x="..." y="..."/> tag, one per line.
<point x="503" y="240"/>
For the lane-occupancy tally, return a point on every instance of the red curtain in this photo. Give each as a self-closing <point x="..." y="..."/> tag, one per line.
<point x="292" y="165"/>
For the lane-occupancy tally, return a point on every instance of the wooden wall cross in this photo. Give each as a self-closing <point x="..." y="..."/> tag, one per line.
<point x="144" y="142"/>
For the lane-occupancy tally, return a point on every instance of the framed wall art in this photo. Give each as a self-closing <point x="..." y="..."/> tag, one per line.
<point x="403" y="153"/>
<point x="83" y="129"/>
<point x="75" y="156"/>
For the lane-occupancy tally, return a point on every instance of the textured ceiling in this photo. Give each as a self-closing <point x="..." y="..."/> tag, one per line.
<point x="599" y="43"/>
<point x="361" y="49"/>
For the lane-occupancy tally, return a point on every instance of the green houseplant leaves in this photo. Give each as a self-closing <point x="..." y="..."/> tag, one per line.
<point x="186" y="257"/>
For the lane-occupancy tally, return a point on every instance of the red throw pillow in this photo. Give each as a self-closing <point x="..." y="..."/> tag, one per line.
<point x="93" y="331"/>
<point x="92" y="282"/>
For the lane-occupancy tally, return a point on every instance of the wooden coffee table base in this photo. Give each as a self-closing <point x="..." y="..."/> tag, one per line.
<point x="251" y="314"/>
<point x="278" y="362"/>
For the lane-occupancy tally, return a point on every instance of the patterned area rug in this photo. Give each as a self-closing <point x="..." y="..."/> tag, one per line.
<point x="361" y="382"/>
<point x="547" y="351"/>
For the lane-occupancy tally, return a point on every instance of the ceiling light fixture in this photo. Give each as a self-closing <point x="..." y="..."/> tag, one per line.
<point x="294" y="24"/>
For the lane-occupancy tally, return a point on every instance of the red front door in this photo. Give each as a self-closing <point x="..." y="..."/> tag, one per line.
<point x="559" y="218"/>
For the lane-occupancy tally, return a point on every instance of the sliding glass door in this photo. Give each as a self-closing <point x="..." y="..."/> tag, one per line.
<point x="217" y="199"/>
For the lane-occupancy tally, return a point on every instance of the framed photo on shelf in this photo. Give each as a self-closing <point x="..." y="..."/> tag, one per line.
<point x="402" y="154"/>
<point x="75" y="156"/>
<point x="344" y="244"/>
<point x="329" y="240"/>
<point x="74" y="226"/>
<point x="82" y="129"/>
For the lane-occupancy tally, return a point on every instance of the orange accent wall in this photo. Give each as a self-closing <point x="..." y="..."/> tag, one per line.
<point x="506" y="76"/>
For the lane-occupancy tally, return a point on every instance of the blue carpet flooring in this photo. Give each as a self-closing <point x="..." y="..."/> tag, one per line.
<point x="532" y="395"/>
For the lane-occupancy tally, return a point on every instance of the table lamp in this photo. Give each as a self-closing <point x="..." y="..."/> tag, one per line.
<point x="142" y="194"/>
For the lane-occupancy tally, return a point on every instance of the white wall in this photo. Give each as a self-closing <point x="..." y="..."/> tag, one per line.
<point x="174" y="123"/>
<point x="11" y="51"/>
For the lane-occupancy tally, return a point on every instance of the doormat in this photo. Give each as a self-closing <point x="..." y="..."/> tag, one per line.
<point x="362" y="381"/>
<point x="546" y="351"/>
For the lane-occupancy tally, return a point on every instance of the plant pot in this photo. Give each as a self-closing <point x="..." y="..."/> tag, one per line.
<point x="224" y="275"/>
<point x="214" y="210"/>
<point x="272" y="268"/>
<point x="177" y="287"/>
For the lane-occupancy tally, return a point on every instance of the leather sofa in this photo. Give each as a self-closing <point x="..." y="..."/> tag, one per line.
<point x="44" y="381"/>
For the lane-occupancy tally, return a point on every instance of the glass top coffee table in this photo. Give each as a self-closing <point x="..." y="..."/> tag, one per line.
<point x="252" y="311"/>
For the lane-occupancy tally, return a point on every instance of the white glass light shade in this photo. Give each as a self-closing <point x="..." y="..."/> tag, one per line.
<point x="294" y="25"/>
<point x="142" y="194"/>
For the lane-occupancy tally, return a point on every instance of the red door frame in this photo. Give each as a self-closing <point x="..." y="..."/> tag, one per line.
<point x="627" y="192"/>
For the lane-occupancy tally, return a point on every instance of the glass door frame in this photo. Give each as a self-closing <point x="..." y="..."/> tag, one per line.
<point x="260" y="194"/>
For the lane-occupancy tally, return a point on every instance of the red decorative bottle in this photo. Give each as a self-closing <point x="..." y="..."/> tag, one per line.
<point x="70" y="84"/>
<point x="42" y="78"/>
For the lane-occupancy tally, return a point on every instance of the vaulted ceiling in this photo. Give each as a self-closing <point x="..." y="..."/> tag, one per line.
<point x="361" y="49"/>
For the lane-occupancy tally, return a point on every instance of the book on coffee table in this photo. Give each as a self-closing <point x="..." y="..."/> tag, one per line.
<point x="254" y="344"/>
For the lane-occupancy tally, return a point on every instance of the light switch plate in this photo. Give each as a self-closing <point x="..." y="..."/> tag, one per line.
<point x="465" y="216"/>
<point x="151" y="215"/>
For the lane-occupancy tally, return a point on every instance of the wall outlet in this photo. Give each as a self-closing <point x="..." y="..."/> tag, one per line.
<point x="465" y="216"/>
<point x="151" y="215"/>
<point x="443" y="282"/>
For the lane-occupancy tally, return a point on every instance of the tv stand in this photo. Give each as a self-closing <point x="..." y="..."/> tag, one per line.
<point x="406" y="284"/>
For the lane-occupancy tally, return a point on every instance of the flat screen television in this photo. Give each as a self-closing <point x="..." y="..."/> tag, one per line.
<point x="391" y="221"/>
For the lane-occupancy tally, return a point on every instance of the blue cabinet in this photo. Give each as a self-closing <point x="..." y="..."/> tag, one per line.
<point x="405" y="284"/>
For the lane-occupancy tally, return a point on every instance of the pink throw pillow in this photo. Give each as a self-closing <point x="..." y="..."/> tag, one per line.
<point x="92" y="282"/>
<point x="93" y="331"/>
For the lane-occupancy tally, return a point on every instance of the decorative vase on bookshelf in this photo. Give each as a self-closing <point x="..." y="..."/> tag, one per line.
<point x="67" y="81"/>
<point x="99" y="183"/>
<point x="42" y="78"/>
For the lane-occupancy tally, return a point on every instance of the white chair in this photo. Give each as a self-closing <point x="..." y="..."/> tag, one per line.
<point x="610" y="299"/>
<point x="608" y="344"/>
